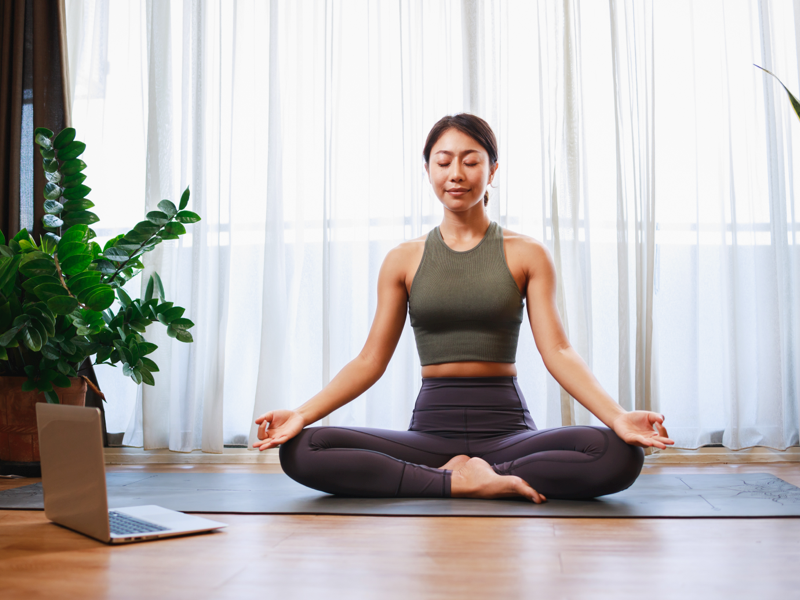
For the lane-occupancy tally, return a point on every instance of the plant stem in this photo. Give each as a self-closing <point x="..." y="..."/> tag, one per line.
<point x="142" y="245"/>
<point x="64" y="284"/>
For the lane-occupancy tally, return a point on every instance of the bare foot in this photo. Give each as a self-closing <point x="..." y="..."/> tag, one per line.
<point x="476" y="479"/>
<point x="455" y="463"/>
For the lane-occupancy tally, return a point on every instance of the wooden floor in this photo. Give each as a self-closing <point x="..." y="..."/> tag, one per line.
<point x="326" y="557"/>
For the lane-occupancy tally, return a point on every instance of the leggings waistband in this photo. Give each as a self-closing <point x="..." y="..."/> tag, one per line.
<point x="452" y="406"/>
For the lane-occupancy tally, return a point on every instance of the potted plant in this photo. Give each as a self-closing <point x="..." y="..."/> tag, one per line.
<point x="58" y="294"/>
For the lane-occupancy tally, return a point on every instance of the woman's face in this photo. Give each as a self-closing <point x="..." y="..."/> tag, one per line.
<point x="459" y="170"/>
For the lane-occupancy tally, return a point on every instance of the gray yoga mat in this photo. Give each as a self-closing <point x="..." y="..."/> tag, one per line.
<point x="712" y="495"/>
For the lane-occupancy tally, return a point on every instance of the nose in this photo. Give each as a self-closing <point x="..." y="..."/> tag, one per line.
<point x="456" y="172"/>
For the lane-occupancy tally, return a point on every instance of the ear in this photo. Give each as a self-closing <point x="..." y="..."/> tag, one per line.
<point x="428" y="172"/>
<point x="493" y="171"/>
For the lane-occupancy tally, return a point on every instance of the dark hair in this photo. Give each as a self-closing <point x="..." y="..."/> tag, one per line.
<point x="474" y="127"/>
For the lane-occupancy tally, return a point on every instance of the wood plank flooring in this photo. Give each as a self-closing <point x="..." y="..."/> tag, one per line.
<point x="329" y="557"/>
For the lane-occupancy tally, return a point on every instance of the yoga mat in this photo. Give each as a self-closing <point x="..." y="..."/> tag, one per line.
<point x="712" y="495"/>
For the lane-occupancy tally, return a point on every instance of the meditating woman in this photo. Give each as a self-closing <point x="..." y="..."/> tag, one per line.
<point x="465" y="285"/>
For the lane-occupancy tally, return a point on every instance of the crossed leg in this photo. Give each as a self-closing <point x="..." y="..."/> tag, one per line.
<point x="565" y="462"/>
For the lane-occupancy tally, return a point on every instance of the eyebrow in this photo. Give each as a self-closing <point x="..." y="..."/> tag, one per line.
<point x="448" y="153"/>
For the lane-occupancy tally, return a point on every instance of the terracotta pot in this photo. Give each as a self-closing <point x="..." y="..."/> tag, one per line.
<point x="19" y="439"/>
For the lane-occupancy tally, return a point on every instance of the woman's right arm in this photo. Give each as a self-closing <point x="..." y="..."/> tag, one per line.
<point x="279" y="426"/>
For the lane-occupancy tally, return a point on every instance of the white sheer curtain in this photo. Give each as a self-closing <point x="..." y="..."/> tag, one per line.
<point x="659" y="173"/>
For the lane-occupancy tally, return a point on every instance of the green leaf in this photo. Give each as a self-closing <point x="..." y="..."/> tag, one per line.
<point x="116" y="254"/>
<point x="147" y="377"/>
<point x="136" y="376"/>
<point x="2" y="239"/>
<point x="32" y="339"/>
<point x="168" y="207"/>
<point x="187" y="216"/>
<point x="124" y="299"/>
<point x="165" y="235"/>
<point x="28" y="385"/>
<point x="83" y="281"/>
<point x="64" y="138"/>
<point x="3" y="353"/>
<point x="52" y="221"/>
<point x="73" y="150"/>
<point x="52" y="191"/>
<point x="65" y="250"/>
<point x="183" y="336"/>
<point x="86" y="292"/>
<point x="182" y="323"/>
<point x="58" y="379"/>
<point x="144" y="348"/>
<point x="43" y="137"/>
<point x="148" y="292"/>
<point x="9" y="270"/>
<point x="175" y="228"/>
<point x="150" y="365"/>
<point x="50" y="352"/>
<point x="145" y="227"/>
<point x="170" y="315"/>
<point x="50" y="165"/>
<point x="76" y="233"/>
<point x="38" y="267"/>
<point x="106" y="267"/>
<point x="75" y="264"/>
<point x="9" y="335"/>
<point x="79" y="204"/>
<point x="52" y="207"/>
<point x="62" y="305"/>
<point x="48" y="290"/>
<point x="31" y="284"/>
<point x="159" y="286"/>
<point x="83" y="217"/>
<point x="101" y="299"/>
<point x="51" y="397"/>
<point x="54" y="177"/>
<point x="73" y="180"/>
<point x="77" y="192"/>
<point x="157" y="217"/>
<point x="185" y="198"/>
<point x="72" y="166"/>
<point x="48" y="153"/>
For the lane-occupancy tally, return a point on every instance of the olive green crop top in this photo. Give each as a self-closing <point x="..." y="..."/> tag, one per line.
<point x="465" y="306"/>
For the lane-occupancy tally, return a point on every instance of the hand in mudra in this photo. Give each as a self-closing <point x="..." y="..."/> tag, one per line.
<point x="277" y="427"/>
<point x="636" y="428"/>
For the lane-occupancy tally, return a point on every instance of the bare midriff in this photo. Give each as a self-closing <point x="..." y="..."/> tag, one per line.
<point x="470" y="369"/>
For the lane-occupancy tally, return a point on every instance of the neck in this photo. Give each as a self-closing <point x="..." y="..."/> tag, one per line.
<point x="465" y="225"/>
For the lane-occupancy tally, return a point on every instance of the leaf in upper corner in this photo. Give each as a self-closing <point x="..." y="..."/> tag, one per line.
<point x="64" y="138"/>
<point x="72" y="150"/>
<point x="168" y="207"/>
<point x="52" y="191"/>
<point x="184" y="198"/>
<point x="795" y="103"/>
<point x="187" y="216"/>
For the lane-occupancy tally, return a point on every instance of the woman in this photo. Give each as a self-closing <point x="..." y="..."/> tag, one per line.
<point x="464" y="285"/>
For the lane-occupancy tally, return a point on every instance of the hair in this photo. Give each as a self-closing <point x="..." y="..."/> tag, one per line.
<point x="471" y="125"/>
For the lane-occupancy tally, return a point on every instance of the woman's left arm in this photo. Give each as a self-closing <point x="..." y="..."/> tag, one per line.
<point x="566" y="365"/>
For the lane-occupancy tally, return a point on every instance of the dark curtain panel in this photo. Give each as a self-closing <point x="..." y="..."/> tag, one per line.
<point x="50" y="86"/>
<point x="12" y="30"/>
<point x="34" y="92"/>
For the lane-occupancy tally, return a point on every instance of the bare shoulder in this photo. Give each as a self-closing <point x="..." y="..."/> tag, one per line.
<point x="402" y="260"/>
<point x="525" y="252"/>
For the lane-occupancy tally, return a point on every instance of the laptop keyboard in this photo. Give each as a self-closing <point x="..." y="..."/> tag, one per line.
<point x="126" y="525"/>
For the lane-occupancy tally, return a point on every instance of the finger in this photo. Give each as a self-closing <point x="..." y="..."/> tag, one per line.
<point x="267" y="416"/>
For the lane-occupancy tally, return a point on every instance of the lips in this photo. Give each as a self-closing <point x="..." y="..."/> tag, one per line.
<point x="457" y="191"/>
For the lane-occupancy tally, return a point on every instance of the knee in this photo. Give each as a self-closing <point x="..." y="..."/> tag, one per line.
<point x="294" y="455"/>
<point x="621" y="464"/>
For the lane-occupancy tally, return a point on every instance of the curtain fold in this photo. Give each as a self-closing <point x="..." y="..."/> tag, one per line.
<point x="12" y="29"/>
<point x="659" y="174"/>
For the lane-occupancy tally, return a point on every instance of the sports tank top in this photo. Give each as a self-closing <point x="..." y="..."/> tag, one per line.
<point x="465" y="306"/>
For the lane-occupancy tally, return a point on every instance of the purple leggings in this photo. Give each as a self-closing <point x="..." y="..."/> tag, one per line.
<point x="477" y="416"/>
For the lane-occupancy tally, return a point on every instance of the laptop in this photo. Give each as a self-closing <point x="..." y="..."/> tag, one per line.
<point x="74" y="482"/>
